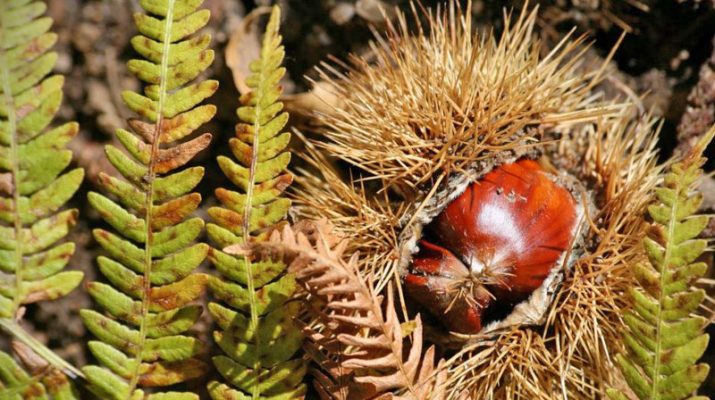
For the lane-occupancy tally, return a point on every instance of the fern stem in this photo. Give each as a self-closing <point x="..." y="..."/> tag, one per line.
<point x="149" y="204"/>
<point x="15" y="167"/>
<point x="246" y="237"/>
<point x="14" y="329"/>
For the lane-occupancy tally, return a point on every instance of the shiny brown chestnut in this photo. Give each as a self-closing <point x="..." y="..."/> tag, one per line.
<point x="495" y="243"/>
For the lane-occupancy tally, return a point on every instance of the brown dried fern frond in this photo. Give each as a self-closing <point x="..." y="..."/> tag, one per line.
<point x="369" y="332"/>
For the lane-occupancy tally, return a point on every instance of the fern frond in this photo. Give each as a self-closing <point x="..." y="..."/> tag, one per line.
<point x="665" y="338"/>
<point x="150" y="260"/>
<point x="359" y="320"/>
<point x="33" y="187"/>
<point x="257" y="333"/>
<point x="47" y="383"/>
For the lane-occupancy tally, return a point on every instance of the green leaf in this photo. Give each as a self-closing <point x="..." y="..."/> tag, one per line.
<point x="151" y="253"/>
<point x="267" y="298"/>
<point x="256" y="334"/>
<point x="173" y="396"/>
<point x="105" y="384"/>
<point x="177" y="184"/>
<point x="178" y="74"/>
<point x="181" y="8"/>
<point x="157" y="29"/>
<point x="234" y="268"/>
<point x="17" y="384"/>
<point x="122" y="220"/>
<point x="664" y="339"/>
<point x="33" y="159"/>
<point x="282" y="378"/>
<point x="153" y="50"/>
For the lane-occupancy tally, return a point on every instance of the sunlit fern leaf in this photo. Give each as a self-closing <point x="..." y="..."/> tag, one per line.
<point x="665" y="338"/>
<point x="47" y="384"/>
<point x="33" y="187"/>
<point x="256" y="332"/>
<point x="149" y="261"/>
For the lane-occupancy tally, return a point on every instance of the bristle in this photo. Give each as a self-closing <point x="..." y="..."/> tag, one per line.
<point x="445" y="99"/>
<point x="430" y="105"/>
<point x="447" y="103"/>
<point x="369" y="222"/>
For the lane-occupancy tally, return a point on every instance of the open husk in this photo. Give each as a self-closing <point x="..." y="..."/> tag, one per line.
<point x="437" y="107"/>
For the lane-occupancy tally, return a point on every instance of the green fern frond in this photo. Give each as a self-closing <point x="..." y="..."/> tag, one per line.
<point x="257" y="333"/>
<point x="665" y="338"/>
<point x="17" y="384"/>
<point x="33" y="186"/>
<point x="150" y="262"/>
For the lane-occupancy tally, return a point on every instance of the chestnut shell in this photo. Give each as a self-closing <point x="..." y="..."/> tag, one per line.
<point x="494" y="244"/>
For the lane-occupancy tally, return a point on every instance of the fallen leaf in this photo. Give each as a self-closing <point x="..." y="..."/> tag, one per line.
<point x="244" y="46"/>
<point x="373" y="10"/>
<point x="320" y="99"/>
<point x="342" y="13"/>
<point x="29" y="358"/>
<point x="6" y="185"/>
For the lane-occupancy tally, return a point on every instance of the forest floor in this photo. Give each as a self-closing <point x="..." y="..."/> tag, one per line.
<point x="661" y="57"/>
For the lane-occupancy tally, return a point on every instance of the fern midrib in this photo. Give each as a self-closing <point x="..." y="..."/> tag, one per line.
<point x="14" y="161"/>
<point x="661" y="295"/>
<point x="149" y="192"/>
<point x="246" y="230"/>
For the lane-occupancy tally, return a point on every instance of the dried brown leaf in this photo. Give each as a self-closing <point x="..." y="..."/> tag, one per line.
<point x="6" y="185"/>
<point x="320" y="99"/>
<point x="243" y="46"/>
<point x="374" y="11"/>
<point x="169" y="159"/>
<point x="34" y="363"/>
<point x="369" y="328"/>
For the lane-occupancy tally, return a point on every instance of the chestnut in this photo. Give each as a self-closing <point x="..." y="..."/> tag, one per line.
<point x="494" y="244"/>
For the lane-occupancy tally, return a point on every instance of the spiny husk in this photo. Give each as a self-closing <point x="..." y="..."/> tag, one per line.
<point x="570" y="355"/>
<point x="430" y="113"/>
<point x="420" y="110"/>
<point x="437" y="111"/>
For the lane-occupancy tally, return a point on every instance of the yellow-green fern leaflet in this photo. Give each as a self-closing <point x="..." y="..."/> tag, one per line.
<point x="33" y="182"/>
<point x="256" y="332"/>
<point x="665" y="338"/>
<point x="150" y="259"/>
<point x="33" y="157"/>
<point x="17" y="384"/>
